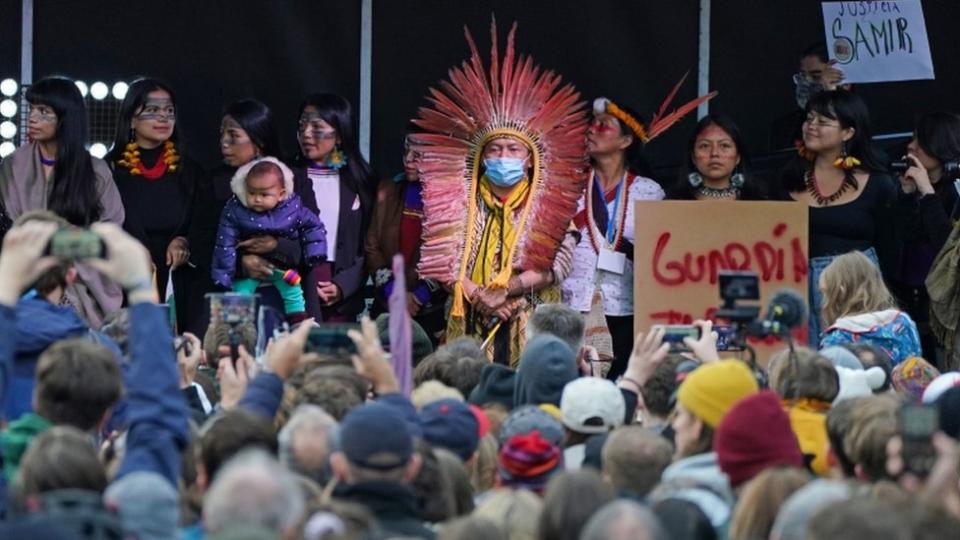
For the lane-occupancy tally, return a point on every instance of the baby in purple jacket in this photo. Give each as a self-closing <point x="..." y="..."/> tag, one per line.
<point x="264" y="204"/>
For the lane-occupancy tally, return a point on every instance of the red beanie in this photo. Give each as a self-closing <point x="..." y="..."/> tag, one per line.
<point x="755" y="435"/>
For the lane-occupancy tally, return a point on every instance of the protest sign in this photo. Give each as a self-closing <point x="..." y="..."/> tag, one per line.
<point x="681" y="246"/>
<point x="878" y="41"/>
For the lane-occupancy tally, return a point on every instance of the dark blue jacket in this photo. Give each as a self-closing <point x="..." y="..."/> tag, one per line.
<point x="288" y="220"/>
<point x="8" y="323"/>
<point x="156" y="413"/>
<point x="38" y="325"/>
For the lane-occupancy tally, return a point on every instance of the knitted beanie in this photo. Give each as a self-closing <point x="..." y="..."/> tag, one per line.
<point x="712" y="389"/>
<point x="755" y="435"/>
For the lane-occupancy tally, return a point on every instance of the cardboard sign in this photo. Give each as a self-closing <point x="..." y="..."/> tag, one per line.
<point x="878" y="41"/>
<point x="681" y="246"/>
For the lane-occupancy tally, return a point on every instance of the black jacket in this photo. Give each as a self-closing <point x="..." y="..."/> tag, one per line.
<point x="349" y="267"/>
<point x="394" y="506"/>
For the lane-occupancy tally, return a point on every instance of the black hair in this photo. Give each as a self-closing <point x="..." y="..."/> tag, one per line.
<point x="74" y="196"/>
<point x="818" y="49"/>
<point x="751" y="190"/>
<point x="257" y="120"/>
<point x="134" y="100"/>
<point x="851" y="111"/>
<point x="634" y="159"/>
<point x="938" y="134"/>
<point x="358" y="174"/>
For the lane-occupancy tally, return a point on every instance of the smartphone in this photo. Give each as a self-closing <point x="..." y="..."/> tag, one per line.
<point x="674" y="334"/>
<point x="727" y="337"/>
<point x="233" y="309"/>
<point x="918" y="423"/>
<point x="331" y="339"/>
<point x="76" y="244"/>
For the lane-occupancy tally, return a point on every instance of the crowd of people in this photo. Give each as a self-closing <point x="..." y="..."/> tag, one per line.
<point x="529" y="407"/>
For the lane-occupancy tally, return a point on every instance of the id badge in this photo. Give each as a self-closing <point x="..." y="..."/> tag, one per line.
<point x="611" y="261"/>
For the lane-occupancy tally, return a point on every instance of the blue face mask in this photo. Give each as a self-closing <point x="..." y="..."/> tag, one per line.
<point x="504" y="172"/>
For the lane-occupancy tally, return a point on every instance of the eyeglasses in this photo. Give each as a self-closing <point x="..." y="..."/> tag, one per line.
<point x="821" y="122"/>
<point x="807" y="76"/>
<point x="41" y="115"/>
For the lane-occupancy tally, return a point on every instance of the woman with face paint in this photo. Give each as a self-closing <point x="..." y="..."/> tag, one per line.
<point x="602" y="276"/>
<point x="157" y="184"/>
<point x="247" y="132"/>
<point x="395" y="227"/>
<point x="334" y="180"/>
<point x="53" y="171"/>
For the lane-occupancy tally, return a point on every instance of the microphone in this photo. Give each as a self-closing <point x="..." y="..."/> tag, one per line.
<point x="786" y="310"/>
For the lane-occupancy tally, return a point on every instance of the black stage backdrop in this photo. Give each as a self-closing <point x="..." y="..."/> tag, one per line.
<point x="212" y="52"/>
<point x="216" y="51"/>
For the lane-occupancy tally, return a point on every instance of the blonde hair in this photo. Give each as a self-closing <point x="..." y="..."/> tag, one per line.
<point x="852" y="285"/>
<point x="761" y="500"/>
<point x="516" y="511"/>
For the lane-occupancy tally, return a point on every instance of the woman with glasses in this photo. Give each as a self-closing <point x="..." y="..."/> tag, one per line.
<point x="839" y="177"/>
<point x="396" y="227"/>
<point x="54" y="171"/>
<point x="334" y="180"/>
<point x="157" y="184"/>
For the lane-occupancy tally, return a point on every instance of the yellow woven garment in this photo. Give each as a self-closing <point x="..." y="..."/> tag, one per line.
<point x="500" y="234"/>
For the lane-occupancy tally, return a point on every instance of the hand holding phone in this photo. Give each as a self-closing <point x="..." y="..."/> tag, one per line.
<point x="678" y="334"/>
<point x="918" y="423"/>
<point x="76" y="244"/>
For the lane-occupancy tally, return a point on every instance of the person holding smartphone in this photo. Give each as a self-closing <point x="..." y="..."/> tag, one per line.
<point x="926" y="204"/>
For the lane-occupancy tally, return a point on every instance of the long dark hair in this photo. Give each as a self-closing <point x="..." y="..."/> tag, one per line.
<point x="74" y="196"/>
<point x="134" y="100"/>
<point x="257" y="120"/>
<point x="634" y="159"/>
<point x="751" y="190"/>
<point x="358" y="174"/>
<point x="938" y="134"/>
<point x="850" y="110"/>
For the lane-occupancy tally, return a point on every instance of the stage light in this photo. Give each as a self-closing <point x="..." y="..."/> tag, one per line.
<point x="82" y="86"/>
<point x="8" y="108"/>
<point x="8" y="130"/>
<point x="120" y="90"/>
<point x="99" y="90"/>
<point x="98" y="150"/>
<point x="6" y="149"/>
<point x="8" y="87"/>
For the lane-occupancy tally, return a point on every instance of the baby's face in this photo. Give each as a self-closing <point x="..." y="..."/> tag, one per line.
<point x="264" y="191"/>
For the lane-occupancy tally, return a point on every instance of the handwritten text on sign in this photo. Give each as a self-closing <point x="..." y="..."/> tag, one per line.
<point x="878" y="41"/>
<point x="681" y="247"/>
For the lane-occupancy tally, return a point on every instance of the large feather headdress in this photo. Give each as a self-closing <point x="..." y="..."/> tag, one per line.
<point x="519" y="100"/>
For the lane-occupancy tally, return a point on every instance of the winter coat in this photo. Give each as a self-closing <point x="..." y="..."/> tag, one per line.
<point x="892" y="330"/>
<point x="288" y="220"/>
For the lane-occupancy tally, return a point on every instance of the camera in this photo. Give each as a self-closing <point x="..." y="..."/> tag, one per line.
<point x="76" y="244"/>
<point x="785" y="311"/>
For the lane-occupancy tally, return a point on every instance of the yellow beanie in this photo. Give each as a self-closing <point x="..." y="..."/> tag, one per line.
<point x="712" y="389"/>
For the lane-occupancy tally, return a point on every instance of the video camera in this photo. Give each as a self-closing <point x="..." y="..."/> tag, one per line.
<point x="951" y="169"/>
<point x="786" y="310"/>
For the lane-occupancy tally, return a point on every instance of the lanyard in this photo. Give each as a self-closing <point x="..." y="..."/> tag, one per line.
<point x="612" y="218"/>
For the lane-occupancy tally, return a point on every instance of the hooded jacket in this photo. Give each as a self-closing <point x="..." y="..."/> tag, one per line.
<point x="290" y="219"/>
<point x="546" y="366"/>
<point x="698" y="479"/>
<point x="39" y="324"/>
<point x="891" y="330"/>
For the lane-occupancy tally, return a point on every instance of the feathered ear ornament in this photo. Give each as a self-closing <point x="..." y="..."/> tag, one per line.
<point x="660" y="122"/>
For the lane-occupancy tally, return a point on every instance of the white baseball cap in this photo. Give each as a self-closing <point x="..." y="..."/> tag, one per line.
<point x="591" y="405"/>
